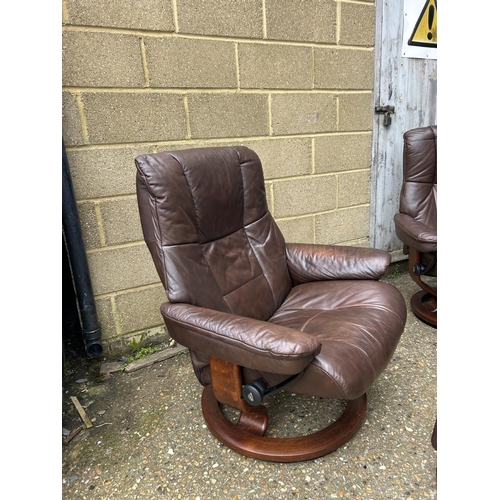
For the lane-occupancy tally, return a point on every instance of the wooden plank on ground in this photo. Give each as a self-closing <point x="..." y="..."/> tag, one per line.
<point x="112" y="367"/>
<point x="154" y="358"/>
<point x="81" y="411"/>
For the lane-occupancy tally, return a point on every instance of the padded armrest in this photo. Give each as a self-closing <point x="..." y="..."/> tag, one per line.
<point x="415" y="234"/>
<point x="309" y="262"/>
<point x="248" y="342"/>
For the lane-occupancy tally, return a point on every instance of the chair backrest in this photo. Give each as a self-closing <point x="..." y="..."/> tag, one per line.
<point x="206" y="222"/>
<point x="419" y="191"/>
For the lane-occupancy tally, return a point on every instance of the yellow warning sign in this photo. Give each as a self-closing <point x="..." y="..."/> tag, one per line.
<point x="425" y="33"/>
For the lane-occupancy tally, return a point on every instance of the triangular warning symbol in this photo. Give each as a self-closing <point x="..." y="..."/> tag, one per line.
<point x="425" y="33"/>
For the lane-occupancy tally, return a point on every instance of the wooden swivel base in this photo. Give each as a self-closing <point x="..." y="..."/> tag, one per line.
<point x="434" y="436"/>
<point x="424" y="306"/>
<point x="247" y="436"/>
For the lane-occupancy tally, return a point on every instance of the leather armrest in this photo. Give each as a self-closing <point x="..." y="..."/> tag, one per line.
<point x="248" y="342"/>
<point x="309" y="262"/>
<point x="415" y="234"/>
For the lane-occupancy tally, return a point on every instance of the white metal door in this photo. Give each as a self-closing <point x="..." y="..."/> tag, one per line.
<point x="409" y="84"/>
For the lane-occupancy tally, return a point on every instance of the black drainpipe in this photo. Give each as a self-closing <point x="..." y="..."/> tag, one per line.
<point x="91" y="329"/>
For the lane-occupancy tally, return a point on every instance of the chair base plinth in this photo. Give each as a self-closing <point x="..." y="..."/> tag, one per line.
<point x="434" y="436"/>
<point x="424" y="306"/>
<point x="248" y="438"/>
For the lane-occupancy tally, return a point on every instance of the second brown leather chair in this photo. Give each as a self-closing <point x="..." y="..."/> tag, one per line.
<point x="256" y="313"/>
<point x="416" y="222"/>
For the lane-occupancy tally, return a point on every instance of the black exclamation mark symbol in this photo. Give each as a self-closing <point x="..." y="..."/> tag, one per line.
<point x="430" y="20"/>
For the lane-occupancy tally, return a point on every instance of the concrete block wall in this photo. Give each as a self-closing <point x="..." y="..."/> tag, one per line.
<point x="291" y="79"/>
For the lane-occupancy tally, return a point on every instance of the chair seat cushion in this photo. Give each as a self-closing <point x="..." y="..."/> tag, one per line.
<point x="358" y="322"/>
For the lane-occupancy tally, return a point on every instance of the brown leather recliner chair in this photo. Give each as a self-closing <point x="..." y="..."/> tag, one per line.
<point x="416" y="222"/>
<point x="258" y="314"/>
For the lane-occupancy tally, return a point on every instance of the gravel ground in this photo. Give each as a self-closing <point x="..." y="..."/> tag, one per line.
<point x="148" y="438"/>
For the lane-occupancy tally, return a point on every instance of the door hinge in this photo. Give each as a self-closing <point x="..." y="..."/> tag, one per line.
<point x="386" y="111"/>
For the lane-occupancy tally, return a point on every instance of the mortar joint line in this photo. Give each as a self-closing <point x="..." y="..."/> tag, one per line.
<point x="211" y="90"/>
<point x="270" y="114"/>
<point x="114" y="310"/>
<point x="271" y="190"/>
<point x="174" y="13"/>
<point x="186" y="111"/>
<point x="223" y="38"/>
<point x="313" y="64"/>
<point x="337" y="113"/>
<point x="100" y="224"/>
<point x="125" y="291"/>
<point x="83" y="120"/>
<point x="144" y="63"/>
<point x="65" y="15"/>
<point x="337" y="34"/>
<point x="115" y="247"/>
<point x="264" y="20"/>
<point x="313" y="156"/>
<point x="152" y="144"/>
<point x="337" y="191"/>
<point x="237" y="56"/>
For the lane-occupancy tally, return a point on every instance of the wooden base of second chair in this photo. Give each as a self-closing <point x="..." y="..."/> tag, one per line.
<point x="423" y="303"/>
<point x="434" y="436"/>
<point x="247" y="435"/>
<point x="424" y="306"/>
